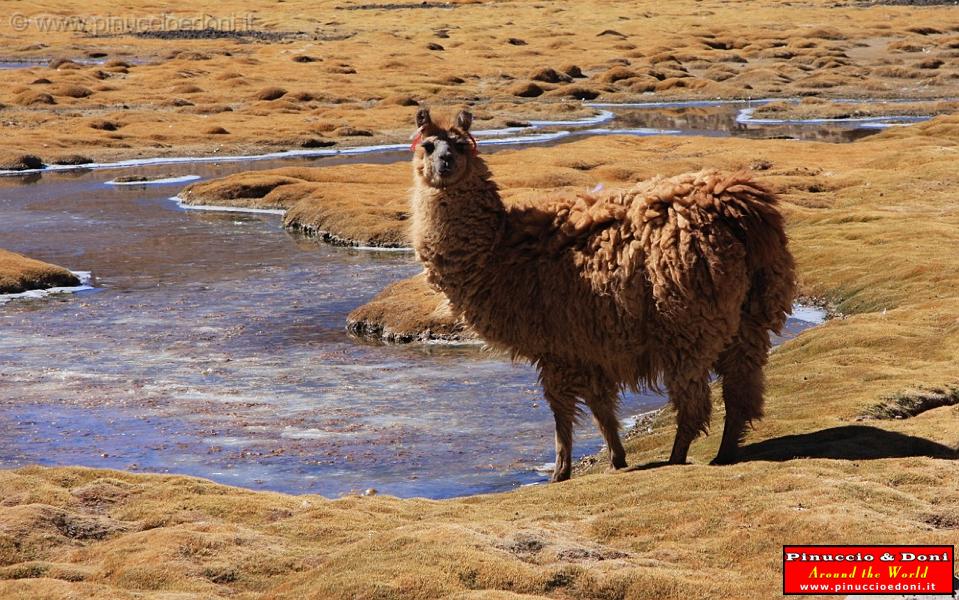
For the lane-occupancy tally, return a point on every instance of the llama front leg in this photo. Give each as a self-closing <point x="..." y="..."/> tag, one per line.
<point x="562" y="401"/>
<point x="690" y="396"/>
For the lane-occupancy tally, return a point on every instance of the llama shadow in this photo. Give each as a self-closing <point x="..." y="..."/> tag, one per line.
<point x="646" y="466"/>
<point x="850" y="442"/>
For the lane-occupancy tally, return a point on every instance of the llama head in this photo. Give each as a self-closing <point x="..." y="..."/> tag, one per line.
<point x="443" y="153"/>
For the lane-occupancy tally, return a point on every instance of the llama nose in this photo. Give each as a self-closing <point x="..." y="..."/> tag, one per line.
<point x="445" y="164"/>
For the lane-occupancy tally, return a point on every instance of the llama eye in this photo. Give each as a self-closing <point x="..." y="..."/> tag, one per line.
<point x="428" y="147"/>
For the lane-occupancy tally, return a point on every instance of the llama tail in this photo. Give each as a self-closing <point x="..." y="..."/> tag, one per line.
<point x="750" y="211"/>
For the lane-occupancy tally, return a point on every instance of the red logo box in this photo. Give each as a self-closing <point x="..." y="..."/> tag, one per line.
<point x="868" y="570"/>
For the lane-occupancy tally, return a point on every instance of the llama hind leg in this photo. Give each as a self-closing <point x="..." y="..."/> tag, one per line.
<point x="741" y="369"/>
<point x="602" y="401"/>
<point x="562" y="400"/>
<point x="690" y="395"/>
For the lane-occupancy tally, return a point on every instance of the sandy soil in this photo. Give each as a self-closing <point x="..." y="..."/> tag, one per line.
<point x="304" y="74"/>
<point x="19" y="274"/>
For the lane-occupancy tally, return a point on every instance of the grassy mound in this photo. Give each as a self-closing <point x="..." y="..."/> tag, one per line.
<point x="19" y="274"/>
<point x="360" y="205"/>
<point x="407" y="311"/>
<point x="820" y="108"/>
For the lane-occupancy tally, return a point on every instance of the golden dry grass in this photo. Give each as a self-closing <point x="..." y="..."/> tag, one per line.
<point x="871" y="224"/>
<point x="683" y="532"/>
<point x="324" y="75"/>
<point x="407" y="311"/>
<point x="19" y="273"/>
<point x="822" y="108"/>
<point x="342" y="206"/>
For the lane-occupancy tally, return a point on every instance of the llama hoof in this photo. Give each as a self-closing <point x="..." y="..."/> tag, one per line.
<point x="723" y="459"/>
<point x="617" y="465"/>
<point x="559" y="477"/>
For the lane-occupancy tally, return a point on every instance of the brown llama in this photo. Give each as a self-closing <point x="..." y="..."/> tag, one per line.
<point x="658" y="283"/>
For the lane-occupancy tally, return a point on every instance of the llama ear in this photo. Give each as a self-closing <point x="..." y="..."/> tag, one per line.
<point x="423" y="117"/>
<point x="464" y="119"/>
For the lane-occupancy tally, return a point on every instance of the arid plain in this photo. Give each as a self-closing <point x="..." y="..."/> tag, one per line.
<point x="860" y="438"/>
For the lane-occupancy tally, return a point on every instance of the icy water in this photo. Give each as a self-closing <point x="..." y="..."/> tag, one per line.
<point x="213" y="344"/>
<point x="36" y="63"/>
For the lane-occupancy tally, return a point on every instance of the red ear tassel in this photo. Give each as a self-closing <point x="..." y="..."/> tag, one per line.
<point x="473" y="141"/>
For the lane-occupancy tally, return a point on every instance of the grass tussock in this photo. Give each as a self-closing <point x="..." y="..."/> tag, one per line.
<point x="19" y="273"/>
<point x="20" y="162"/>
<point x="909" y="404"/>
<point x="408" y="311"/>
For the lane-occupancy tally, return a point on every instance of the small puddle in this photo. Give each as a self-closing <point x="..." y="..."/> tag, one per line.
<point x="213" y="344"/>
<point x="29" y="63"/>
<point x="13" y="64"/>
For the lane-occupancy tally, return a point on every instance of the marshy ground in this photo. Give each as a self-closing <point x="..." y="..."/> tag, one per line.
<point x="859" y="442"/>
<point x="307" y="74"/>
